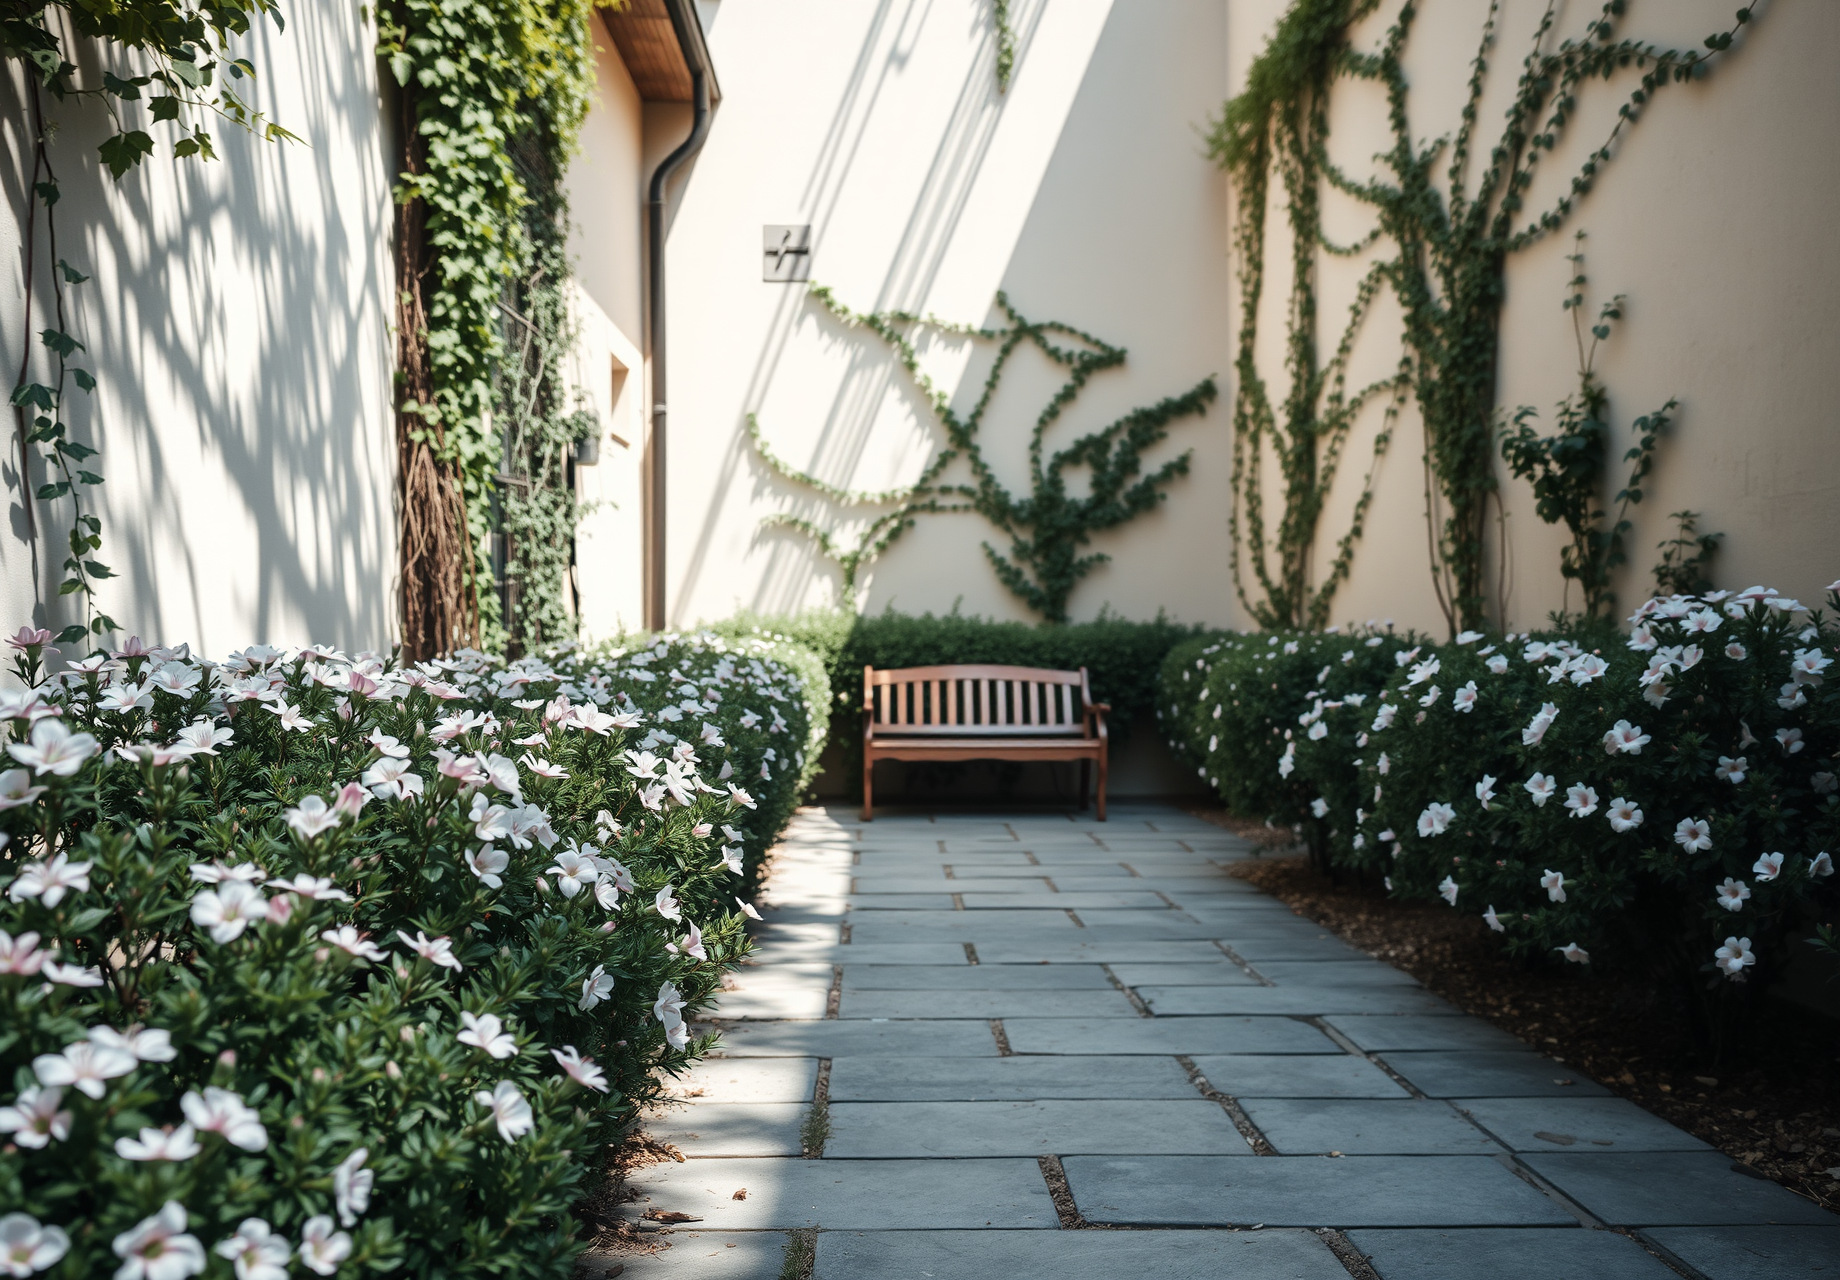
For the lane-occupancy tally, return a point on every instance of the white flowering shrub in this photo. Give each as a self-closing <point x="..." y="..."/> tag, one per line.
<point x="1270" y="720"/>
<point x="1668" y="797"/>
<point x="313" y="965"/>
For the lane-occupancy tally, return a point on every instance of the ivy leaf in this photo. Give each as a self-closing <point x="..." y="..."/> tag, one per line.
<point x="83" y="379"/>
<point x="125" y="150"/>
<point x="165" y="108"/>
<point x="33" y="394"/>
<point x="70" y="585"/>
<point x="60" y="342"/>
<point x="48" y="192"/>
<point x="75" y="450"/>
<point x="104" y="623"/>
<point x="46" y="492"/>
<point x="189" y="72"/>
<point x="74" y="632"/>
<point x="98" y="570"/>
<point x="126" y="90"/>
<point x="89" y="477"/>
<point x="71" y="274"/>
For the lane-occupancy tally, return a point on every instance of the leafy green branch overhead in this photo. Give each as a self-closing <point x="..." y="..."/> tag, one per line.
<point x="1050" y="528"/>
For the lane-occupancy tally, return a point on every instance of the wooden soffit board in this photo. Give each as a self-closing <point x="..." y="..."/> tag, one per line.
<point x="642" y="32"/>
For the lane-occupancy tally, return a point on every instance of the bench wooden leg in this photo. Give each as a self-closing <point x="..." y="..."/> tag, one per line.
<point x="868" y="809"/>
<point x="1102" y="773"/>
<point x="1085" y="780"/>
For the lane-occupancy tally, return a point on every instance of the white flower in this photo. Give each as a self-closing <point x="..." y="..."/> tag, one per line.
<point x="386" y="745"/>
<point x="21" y="955"/>
<point x="440" y="951"/>
<point x="573" y="872"/>
<point x="54" y="749"/>
<point x="1581" y="800"/>
<point x="1319" y="807"/>
<point x="692" y="945"/>
<point x="1554" y="884"/>
<point x="1318" y="732"/>
<point x="347" y="938"/>
<point x="1485" y="790"/>
<point x="1497" y="664"/>
<point x="1287" y="761"/>
<point x="747" y="909"/>
<point x="202" y="738"/>
<point x="542" y="768"/>
<point x="1384" y="717"/>
<point x="485" y="1031"/>
<point x="669" y="1005"/>
<point x="16" y="789"/>
<point x="50" y="879"/>
<point x="160" y="1144"/>
<point x="1494" y="921"/>
<point x="1693" y="835"/>
<point x="490" y="821"/>
<point x="1820" y="865"/>
<point x="1732" y="894"/>
<point x="731" y="858"/>
<point x="158" y="1248"/>
<point x="1735" y="956"/>
<point x="1468" y="637"/>
<point x="509" y="1109"/>
<point x="220" y="1111"/>
<point x="487" y="863"/>
<point x="26" y="1246"/>
<point x="317" y="888"/>
<point x="391" y="779"/>
<point x="291" y="718"/>
<point x="1541" y="722"/>
<point x="143" y="1044"/>
<point x="740" y="797"/>
<point x="1731" y="770"/>
<point x="217" y="872"/>
<point x="1736" y="652"/>
<point x="666" y="904"/>
<point x="257" y="1252"/>
<point x="1768" y="867"/>
<point x="1423" y="671"/>
<point x="1623" y="815"/>
<point x="227" y="910"/>
<point x="351" y="1186"/>
<point x="321" y="1248"/>
<point x="1626" y="738"/>
<point x="1448" y="887"/>
<point x="1435" y="819"/>
<point x="596" y="987"/>
<point x="1383" y="766"/>
<point x="581" y="1070"/>
<point x="1575" y="953"/>
<point x="1464" y="699"/>
<point x="1790" y="740"/>
<point x="1808" y="666"/>
<point x="312" y="817"/>
<point x="34" y="1119"/>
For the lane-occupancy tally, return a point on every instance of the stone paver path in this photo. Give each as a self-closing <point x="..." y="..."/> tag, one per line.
<point x="1026" y="1030"/>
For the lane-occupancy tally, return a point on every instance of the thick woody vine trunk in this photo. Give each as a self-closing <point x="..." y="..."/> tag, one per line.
<point x="440" y="608"/>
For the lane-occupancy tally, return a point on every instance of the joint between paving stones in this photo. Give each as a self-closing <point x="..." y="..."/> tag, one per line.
<point x="1662" y="1254"/>
<point x="816" y="1129"/>
<point x="801" y="1255"/>
<point x="833" y="1002"/>
<point x="1071" y="1219"/>
<point x="1353" y="1261"/>
<point x="1243" y="963"/>
<point x="958" y="902"/>
<point x="1137" y="1001"/>
<point x="1033" y="860"/>
<point x="1260" y="1144"/>
<point x="1349" y="1046"/>
<point x="1513" y="1165"/>
<point x="1134" y="873"/>
<point x="843" y="934"/>
<point x="1075" y="917"/>
<point x="1001" y="1036"/>
<point x="971" y="955"/>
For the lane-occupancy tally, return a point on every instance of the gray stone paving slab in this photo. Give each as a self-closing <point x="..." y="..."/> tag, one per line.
<point x="958" y="926"/>
<point x="1296" y="999"/>
<point x="1509" y="1254"/>
<point x="695" y="1255"/>
<point x="975" y="977"/>
<point x="837" y="1039"/>
<point x="1754" y="1253"/>
<point x="1294" y="945"/>
<point x="903" y="901"/>
<point x="1220" y="973"/>
<point x="1021" y="1077"/>
<point x="772" y="1003"/>
<point x="1291" y="1075"/>
<point x="1067" y="900"/>
<point x="1507" y="1073"/>
<point x="1378" y="1033"/>
<point x="830" y="951"/>
<point x="1076" y="1255"/>
<point x="1075" y="949"/>
<point x="1355" y="973"/>
<point x="1054" y="1126"/>
<point x="1280" y="1191"/>
<point x="746" y="1080"/>
<point x="1672" y="1189"/>
<point x="842" y="1194"/>
<point x="1099" y="873"/>
<point x="1366" y="1127"/>
<point x="1165" y="1036"/>
<point x="1109" y="1003"/>
<point x="731" y="1128"/>
<point x="1577" y="1124"/>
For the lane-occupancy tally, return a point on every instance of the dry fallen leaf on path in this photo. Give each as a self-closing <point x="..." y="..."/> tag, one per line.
<point x="670" y="1215"/>
<point x="739" y="1195"/>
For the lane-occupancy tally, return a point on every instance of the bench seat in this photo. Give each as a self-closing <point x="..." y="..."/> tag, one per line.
<point x="982" y="712"/>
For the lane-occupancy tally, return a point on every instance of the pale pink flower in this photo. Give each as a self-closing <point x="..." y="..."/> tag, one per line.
<point x="1485" y="790"/>
<point x="34" y="1120"/>
<point x="143" y="1044"/>
<point x="351" y="1186"/>
<point x="731" y="858"/>
<point x="1494" y="921"/>
<point x="1731" y="770"/>
<point x="84" y="1065"/>
<point x="386" y="745"/>
<point x="54" y="749"/>
<point x="542" y="768"/>
<point x="1735" y="956"/>
<point x="440" y="951"/>
<point x="1554" y="884"/>
<point x="1581" y="800"/>
<point x="227" y="910"/>
<point x="317" y="888"/>
<point x="666" y="904"/>
<point x="1626" y="738"/>
<point x="1623" y="815"/>
<point x="1448" y="888"/>
<point x="291" y="718"/>
<point x="596" y="987"/>
<point x="312" y="817"/>
<point x="217" y="872"/>
<point x="669" y="1005"/>
<point x="1537" y="727"/>
<point x="581" y="1070"/>
<point x="16" y="789"/>
<point x="1732" y="894"/>
<point x="21" y="955"/>
<point x="1575" y="953"/>
<point x="390" y="778"/>
<point x="221" y="1111"/>
<point x="1464" y="699"/>
<point x="1435" y="820"/>
<point x="352" y="799"/>
<point x="573" y="872"/>
<point x="692" y="945"/>
<point x="1790" y="740"/>
<point x="202" y="738"/>
<point x="322" y="1248"/>
<point x="72" y="975"/>
<point x="1768" y="867"/>
<point x="256" y="1251"/>
<point x="747" y="909"/>
<point x="1693" y="835"/>
<point x="1821" y="865"/>
<point x="488" y="864"/>
<point x="347" y="938"/>
<point x="28" y="639"/>
<point x="490" y="821"/>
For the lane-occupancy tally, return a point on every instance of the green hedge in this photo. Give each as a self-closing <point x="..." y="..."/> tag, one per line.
<point x="364" y="969"/>
<point x="1667" y="799"/>
<point x="1121" y="657"/>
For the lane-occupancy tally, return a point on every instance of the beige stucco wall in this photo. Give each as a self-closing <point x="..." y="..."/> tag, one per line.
<point x="1715" y="218"/>
<point x="237" y="324"/>
<point x="1082" y="192"/>
<point x="606" y="191"/>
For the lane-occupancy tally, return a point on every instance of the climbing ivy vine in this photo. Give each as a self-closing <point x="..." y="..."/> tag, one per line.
<point x="1448" y="238"/>
<point x="1049" y="529"/>
<point x="479" y="78"/>
<point x="190" y="76"/>
<point x="1006" y="43"/>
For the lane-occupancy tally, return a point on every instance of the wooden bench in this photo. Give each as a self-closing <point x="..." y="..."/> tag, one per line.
<point x="981" y="713"/>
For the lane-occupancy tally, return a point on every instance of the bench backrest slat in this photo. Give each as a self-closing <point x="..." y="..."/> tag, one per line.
<point x="976" y="701"/>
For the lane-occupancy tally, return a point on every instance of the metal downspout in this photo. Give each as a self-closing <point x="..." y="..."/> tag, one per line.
<point x="688" y="39"/>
